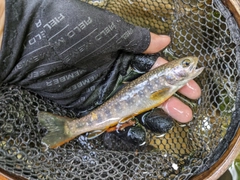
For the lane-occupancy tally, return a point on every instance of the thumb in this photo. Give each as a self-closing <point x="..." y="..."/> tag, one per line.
<point x="157" y="43"/>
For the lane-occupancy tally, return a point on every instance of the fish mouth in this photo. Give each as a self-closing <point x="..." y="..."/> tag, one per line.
<point x="193" y="68"/>
<point x="198" y="71"/>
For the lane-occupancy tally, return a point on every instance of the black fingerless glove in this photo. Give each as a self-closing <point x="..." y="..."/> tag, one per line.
<point x="69" y="51"/>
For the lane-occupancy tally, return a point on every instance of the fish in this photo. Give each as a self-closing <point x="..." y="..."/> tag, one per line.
<point x="140" y="95"/>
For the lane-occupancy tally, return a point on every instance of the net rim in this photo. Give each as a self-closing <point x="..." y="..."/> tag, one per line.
<point x="227" y="150"/>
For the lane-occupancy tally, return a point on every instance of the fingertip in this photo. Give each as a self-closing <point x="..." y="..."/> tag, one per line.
<point x="191" y="90"/>
<point x="160" y="61"/>
<point x="158" y="42"/>
<point x="177" y="110"/>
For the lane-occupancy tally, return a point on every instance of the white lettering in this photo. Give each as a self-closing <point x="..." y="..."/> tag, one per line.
<point x="125" y="36"/>
<point x="105" y="31"/>
<point x="53" y="22"/>
<point x="39" y="23"/>
<point x="64" y="78"/>
<point x="81" y="26"/>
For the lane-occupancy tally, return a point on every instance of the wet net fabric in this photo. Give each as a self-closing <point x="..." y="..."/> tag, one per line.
<point x="202" y="28"/>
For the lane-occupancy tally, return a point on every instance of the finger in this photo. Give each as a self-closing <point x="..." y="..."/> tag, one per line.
<point x="160" y="61"/>
<point x="157" y="43"/>
<point x="190" y="90"/>
<point x="177" y="110"/>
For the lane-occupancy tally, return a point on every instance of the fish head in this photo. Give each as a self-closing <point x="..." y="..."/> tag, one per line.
<point x="180" y="71"/>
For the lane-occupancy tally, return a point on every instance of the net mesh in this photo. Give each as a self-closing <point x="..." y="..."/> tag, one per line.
<point x="204" y="28"/>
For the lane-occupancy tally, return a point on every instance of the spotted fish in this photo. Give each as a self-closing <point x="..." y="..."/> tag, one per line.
<point x="144" y="93"/>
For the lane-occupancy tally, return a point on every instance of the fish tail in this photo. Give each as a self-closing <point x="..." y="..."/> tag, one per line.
<point x="56" y="126"/>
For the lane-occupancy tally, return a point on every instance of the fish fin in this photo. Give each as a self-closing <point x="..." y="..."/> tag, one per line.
<point x="121" y="126"/>
<point x="126" y="119"/>
<point x="94" y="134"/>
<point x="55" y="125"/>
<point x="125" y="122"/>
<point x="159" y="94"/>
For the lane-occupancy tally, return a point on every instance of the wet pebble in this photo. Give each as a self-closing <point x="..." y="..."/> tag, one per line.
<point x="128" y="139"/>
<point x="156" y="121"/>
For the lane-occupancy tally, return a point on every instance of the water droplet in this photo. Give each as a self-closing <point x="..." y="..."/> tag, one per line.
<point x="130" y="2"/>
<point x="161" y="135"/>
<point x="182" y="125"/>
<point x="175" y="166"/>
<point x="97" y="1"/>
<point x="142" y="143"/>
<point x="163" y="19"/>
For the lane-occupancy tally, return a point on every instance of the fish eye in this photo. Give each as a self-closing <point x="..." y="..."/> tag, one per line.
<point x="186" y="62"/>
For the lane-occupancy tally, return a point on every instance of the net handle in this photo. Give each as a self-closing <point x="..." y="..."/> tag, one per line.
<point x="234" y="7"/>
<point x="4" y="175"/>
<point x="221" y="166"/>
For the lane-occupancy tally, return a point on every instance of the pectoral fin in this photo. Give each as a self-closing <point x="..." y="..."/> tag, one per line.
<point x="126" y="119"/>
<point x="122" y="126"/>
<point x="157" y="95"/>
<point x="94" y="134"/>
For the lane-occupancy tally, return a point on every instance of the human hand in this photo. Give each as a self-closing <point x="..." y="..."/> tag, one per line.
<point x="173" y="106"/>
